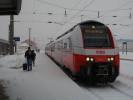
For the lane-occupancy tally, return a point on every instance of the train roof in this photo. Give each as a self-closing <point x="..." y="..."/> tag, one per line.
<point x="81" y="23"/>
<point x="91" y="21"/>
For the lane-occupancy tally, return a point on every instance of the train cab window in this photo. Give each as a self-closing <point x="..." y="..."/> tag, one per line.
<point x="96" y="37"/>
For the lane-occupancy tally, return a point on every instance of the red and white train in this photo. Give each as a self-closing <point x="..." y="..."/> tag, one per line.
<point x="88" y="49"/>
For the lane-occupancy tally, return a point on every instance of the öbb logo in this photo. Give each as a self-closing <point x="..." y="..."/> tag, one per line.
<point x="100" y="52"/>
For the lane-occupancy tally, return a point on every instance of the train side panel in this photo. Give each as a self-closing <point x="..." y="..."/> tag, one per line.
<point x="67" y="56"/>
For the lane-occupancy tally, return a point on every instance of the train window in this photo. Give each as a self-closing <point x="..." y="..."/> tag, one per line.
<point x="97" y="37"/>
<point x="65" y="45"/>
<point x="58" y="45"/>
<point x="61" y="44"/>
<point x="53" y="47"/>
<point x="70" y="43"/>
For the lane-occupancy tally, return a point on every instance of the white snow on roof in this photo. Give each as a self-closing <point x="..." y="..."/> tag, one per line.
<point x="23" y="45"/>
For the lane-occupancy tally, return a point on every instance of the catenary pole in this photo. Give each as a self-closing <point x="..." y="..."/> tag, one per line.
<point x="29" y="37"/>
<point x="11" y="35"/>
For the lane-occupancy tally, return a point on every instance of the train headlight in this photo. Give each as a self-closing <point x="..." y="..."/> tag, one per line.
<point x="92" y="59"/>
<point x="109" y="59"/>
<point x="87" y="59"/>
<point x="112" y="59"/>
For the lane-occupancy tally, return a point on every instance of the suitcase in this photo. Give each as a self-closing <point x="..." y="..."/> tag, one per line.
<point x="24" y="66"/>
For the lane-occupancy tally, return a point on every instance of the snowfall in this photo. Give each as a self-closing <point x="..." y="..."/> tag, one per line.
<point x="48" y="82"/>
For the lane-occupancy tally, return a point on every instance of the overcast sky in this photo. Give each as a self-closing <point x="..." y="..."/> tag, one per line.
<point x="34" y="14"/>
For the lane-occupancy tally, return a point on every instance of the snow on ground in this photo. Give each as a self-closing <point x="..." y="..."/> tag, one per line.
<point x="45" y="82"/>
<point x="126" y="66"/>
<point x="126" y="69"/>
<point x="129" y="55"/>
<point x="48" y="82"/>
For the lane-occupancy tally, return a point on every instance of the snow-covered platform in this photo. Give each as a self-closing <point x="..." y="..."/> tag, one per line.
<point x="45" y="82"/>
<point x="48" y="82"/>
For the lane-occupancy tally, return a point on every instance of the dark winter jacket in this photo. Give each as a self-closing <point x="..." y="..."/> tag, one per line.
<point x="33" y="55"/>
<point x="28" y="54"/>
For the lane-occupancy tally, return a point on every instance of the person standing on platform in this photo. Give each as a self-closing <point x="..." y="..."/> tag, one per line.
<point x="28" y="56"/>
<point x="33" y="57"/>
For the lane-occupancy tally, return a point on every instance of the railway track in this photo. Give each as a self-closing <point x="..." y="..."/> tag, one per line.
<point x="110" y="92"/>
<point x="127" y="76"/>
<point x="122" y="91"/>
<point x="118" y="90"/>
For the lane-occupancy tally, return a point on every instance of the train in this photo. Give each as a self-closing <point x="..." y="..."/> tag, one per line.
<point x="88" y="50"/>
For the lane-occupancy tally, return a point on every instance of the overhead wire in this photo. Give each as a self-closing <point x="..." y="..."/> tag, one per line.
<point x="76" y="14"/>
<point x="64" y="19"/>
<point x="92" y="11"/>
<point x="80" y="11"/>
<point x="77" y="4"/>
<point x="61" y="7"/>
<point x="51" y="4"/>
<point x="117" y="9"/>
<point x="30" y="21"/>
<point x="122" y="18"/>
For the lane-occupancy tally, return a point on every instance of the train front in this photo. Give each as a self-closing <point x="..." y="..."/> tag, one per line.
<point x="101" y="52"/>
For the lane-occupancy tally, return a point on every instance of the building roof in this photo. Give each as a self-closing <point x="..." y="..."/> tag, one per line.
<point x="24" y="45"/>
<point x="4" y="41"/>
<point x="32" y="43"/>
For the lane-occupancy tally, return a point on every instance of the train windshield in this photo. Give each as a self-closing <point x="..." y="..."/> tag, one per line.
<point x="95" y="36"/>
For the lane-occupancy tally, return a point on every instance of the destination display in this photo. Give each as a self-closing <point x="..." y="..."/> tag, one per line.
<point x="93" y="31"/>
